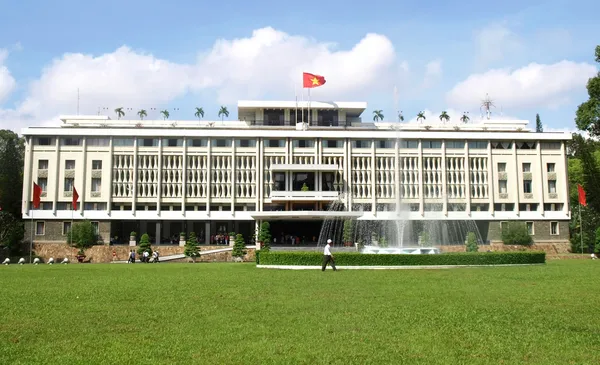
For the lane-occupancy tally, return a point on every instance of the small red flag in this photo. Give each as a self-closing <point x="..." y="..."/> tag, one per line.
<point x="37" y="195"/>
<point x="581" y="192"/>
<point x="75" y="197"/>
<point x="311" y="80"/>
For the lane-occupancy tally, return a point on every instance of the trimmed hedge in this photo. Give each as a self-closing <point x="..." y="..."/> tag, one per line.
<point x="359" y="259"/>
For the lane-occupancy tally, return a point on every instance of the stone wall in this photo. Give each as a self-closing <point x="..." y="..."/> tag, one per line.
<point x="104" y="253"/>
<point x="541" y="230"/>
<point x="559" y="248"/>
<point x="53" y="231"/>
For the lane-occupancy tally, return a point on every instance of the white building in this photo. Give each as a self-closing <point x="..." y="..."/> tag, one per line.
<point x="163" y="177"/>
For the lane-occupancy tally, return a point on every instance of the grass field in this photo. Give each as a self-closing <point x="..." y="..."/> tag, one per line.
<point x="238" y="314"/>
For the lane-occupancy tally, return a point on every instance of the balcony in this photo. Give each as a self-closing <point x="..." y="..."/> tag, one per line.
<point x="304" y="167"/>
<point x="304" y="195"/>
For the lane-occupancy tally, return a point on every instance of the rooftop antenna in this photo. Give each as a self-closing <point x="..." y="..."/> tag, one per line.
<point x="486" y="105"/>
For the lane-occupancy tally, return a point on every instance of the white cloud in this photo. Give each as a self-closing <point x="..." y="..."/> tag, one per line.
<point x="7" y="82"/>
<point x="533" y="85"/>
<point x="494" y="42"/>
<point x="269" y="62"/>
<point x="433" y="72"/>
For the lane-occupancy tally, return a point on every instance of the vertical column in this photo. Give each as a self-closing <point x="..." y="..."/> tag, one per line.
<point x="135" y="174"/>
<point x="373" y="179"/>
<point x="207" y="233"/>
<point x="110" y="175"/>
<point x="348" y="172"/>
<point x="184" y="177"/>
<point x="59" y="172"/>
<point x="159" y="178"/>
<point x="444" y="180"/>
<point x="563" y="172"/>
<point x="397" y="175"/>
<point x="491" y="178"/>
<point x="258" y="180"/>
<point x="517" y="177"/>
<point x="158" y="233"/>
<point x="318" y="154"/>
<point x="544" y="184"/>
<point x="467" y="169"/>
<point x="28" y="175"/>
<point x="420" y="167"/>
<point x="84" y="178"/>
<point x="209" y="172"/>
<point x="233" y="176"/>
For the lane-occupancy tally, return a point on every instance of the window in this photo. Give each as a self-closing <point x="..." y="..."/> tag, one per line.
<point x="43" y="165"/>
<point x="70" y="141"/>
<point x="432" y="144"/>
<point x="385" y="144"/>
<point x="43" y="183"/>
<point x="478" y="145"/>
<point x="43" y="141"/>
<point x="99" y="142"/>
<point x="554" y="228"/>
<point x="503" y="186"/>
<point x="502" y="145"/>
<point x="96" y="185"/>
<point x="550" y="145"/>
<point x="95" y="206"/>
<point x="148" y="142"/>
<point x="69" y="164"/>
<point x="527" y="186"/>
<point x="552" y="186"/>
<point x="197" y="142"/>
<point x="528" y="207"/>
<point x="279" y="179"/>
<point x="96" y="164"/>
<point x="553" y="207"/>
<point x="69" y="183"/>
<point x="275" y="143"/>
<point x="333" y="143"/>
<point x="361" y="143"/>
<point x="409" y="144"/>
<point x="172" y="142"/>
<point x="455" y="144"/>
<point x="66" y="228"/>
<point x="96" y="228"/>
<point x="526" y="145"/>
<point x="123" y="142"/>
<point x="551" y="167"/>
<point x="530" y="228"/>
<point x="245" y="143"/>
<point x="221" y="143"/>
<point x="501" y="166"/>
<point x="40" y="228"/>
<point x="526" y="167"/>
<point x="304" y="143"/>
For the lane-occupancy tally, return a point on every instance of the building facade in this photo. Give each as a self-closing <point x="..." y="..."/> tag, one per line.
<point x="294" y="168"/>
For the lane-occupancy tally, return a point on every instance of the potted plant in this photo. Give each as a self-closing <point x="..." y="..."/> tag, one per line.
<point x="132" y="238"/>
<point x="82" y="236"/>
<point x="182" y="239"/>
<point x="80" y="255"/>
<point x="304" y="187"/>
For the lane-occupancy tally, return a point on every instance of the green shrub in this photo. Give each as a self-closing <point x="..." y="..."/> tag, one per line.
<point x="264" y="236"/>
<point x="304" y="187"/>
<point x="358" y="259"/>
<point x="472" y="242"/>
<point x="191" y="247"/>
<point x="383" y="242"/>
<point x="348" y="231"/>
<point x="144" y="244"/>
<point x="516" y="233"/>
<point x="239" y="247"/>
<point x="424" y="239"/>
<point x="82" y="236"/>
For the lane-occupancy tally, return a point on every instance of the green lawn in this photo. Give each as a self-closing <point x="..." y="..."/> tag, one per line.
<point x="237" y="314"/>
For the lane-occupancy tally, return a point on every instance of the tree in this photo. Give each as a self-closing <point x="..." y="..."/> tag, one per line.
<point x="444" y="117"/>
<point x="591" y="176"/>
<point x="82" y="236"/>
<point x="588" y="113"/>
<point x="516" y="233"/>
<point x="421" y="116"/>
<point x="465" y="118"/>
<point x="538" y="124"/>
<point x="144" y="245"/>
<point x="142" y="113"/>
<point x="377" y="115"/>
<point x="239" y="247"/>
<point x="120" y="113"/>
<point x="223" y="112"/>
<point x="191" y="247"/>
<point x="165" y="114"/>
<point x="11" y="231"/>
<point x="472" y="242"/>
<point x="12" y="151"/>
<point x="199" y="113"/>
<point x="264" y="236"/>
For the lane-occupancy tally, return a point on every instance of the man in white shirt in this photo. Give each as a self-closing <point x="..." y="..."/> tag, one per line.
<point x="328" y="257"/>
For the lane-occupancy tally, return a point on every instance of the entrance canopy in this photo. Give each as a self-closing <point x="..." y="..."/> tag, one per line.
<point x="304" y="215"/>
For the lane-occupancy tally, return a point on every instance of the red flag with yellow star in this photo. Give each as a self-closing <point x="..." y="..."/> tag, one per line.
<point x="310" y="80"/>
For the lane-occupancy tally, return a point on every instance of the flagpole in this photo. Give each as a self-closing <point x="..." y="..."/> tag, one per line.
<point x="72" y="210"/>
<point x="302" y="106"/>
<point x="309" y="106"/>
<point x="580" y="228"/>
<point x="31" y="235"/>
<point x="296" y="95"/>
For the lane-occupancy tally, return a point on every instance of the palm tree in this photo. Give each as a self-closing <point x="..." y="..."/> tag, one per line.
<point x="223" y="112"/>
<point x="421" y="116"/>
<point x="165" y="114"/>
<point x="377" y="115"/>
<point x="400" y="116"/>
<point x="465" y="118"/>
<point x="142" y="113"/>
<point x="199" y="113"/>
<point x="444" y="117"/>
<point x="120" y="113"/>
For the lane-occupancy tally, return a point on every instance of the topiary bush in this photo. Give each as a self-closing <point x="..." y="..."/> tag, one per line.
<point x="264" y="236"/>
<point x="516" y="233"/>
<point x="191" y="247"/>
<point x="472" y="242"/>
<point x="144" y="245"/>
<point x="358" y="259"/>
<point x="239" y="247"/>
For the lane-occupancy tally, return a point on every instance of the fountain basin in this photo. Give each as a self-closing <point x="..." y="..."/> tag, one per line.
<point x="400" y="250"/>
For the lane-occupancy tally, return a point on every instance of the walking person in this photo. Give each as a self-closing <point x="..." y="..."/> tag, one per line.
<point x="328" y="257"/>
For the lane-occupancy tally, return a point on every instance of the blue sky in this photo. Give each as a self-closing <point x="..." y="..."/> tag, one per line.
<point x="454" y="40"/>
